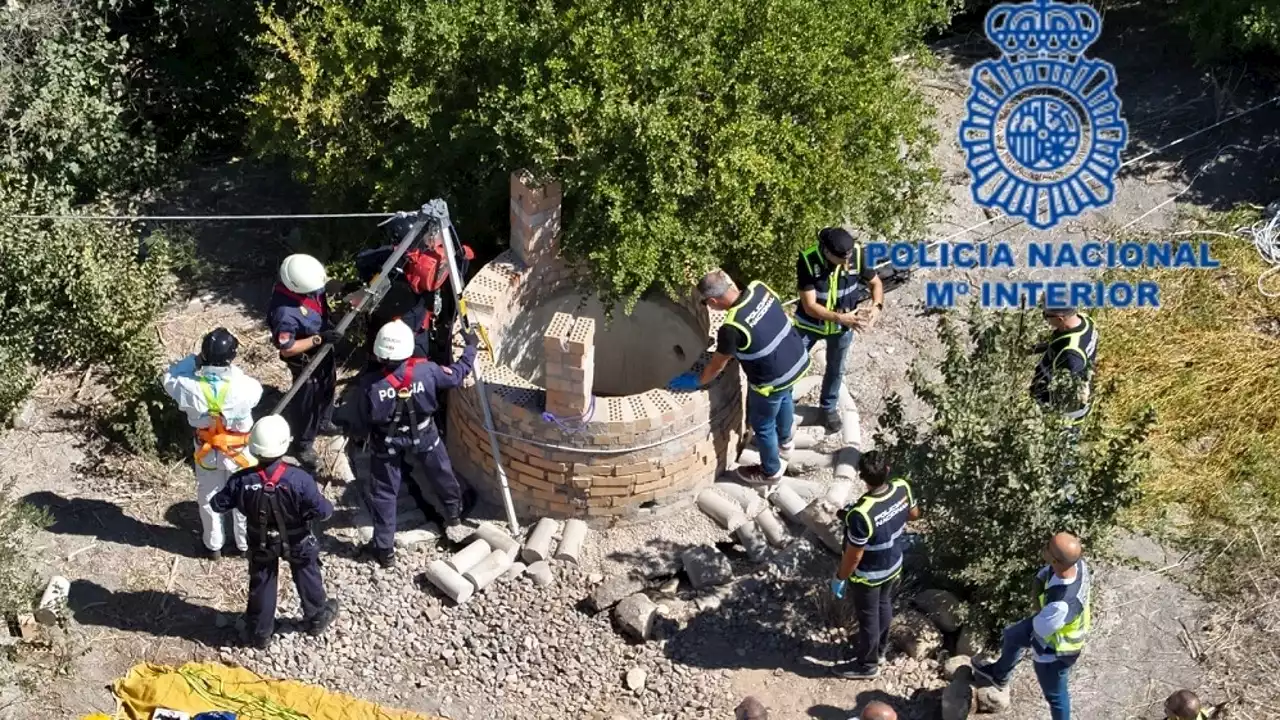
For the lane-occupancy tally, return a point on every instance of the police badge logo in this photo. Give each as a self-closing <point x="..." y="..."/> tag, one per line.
<point x="1043" y="133"/>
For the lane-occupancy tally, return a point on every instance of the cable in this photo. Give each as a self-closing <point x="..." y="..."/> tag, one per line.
<point x="200" y="218"/>
<point x="1265" y="235"/>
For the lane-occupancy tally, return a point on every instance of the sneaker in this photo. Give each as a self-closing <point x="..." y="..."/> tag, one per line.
<point x="832" y="422"/>
<point x="324" y="618"/>
<point x="851" y="671"/>
<point x="754" y="475"/>
<point x="982" y="671"/>
<point x="786" y="448"/>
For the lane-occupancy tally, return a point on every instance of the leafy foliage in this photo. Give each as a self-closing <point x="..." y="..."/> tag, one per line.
<point x="17" y="520"/>
<point x="996" y="475"/>
<point x="1222" y="29"/>
<point x="687" y="134"/>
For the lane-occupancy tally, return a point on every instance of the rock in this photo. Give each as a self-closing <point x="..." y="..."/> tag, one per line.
<point x="968" y="643"/>
<point x="25" y="416"/>
<point x="636" y="678"/>
<point x="611" y="591"/>
<point x="953" y="665"/>
<point x="788" y="562"/>
<point x="992" y="699"/>
<point x="541" y="573"/>
<point x="957" y="698"/>
<point x="706" y="566"/>
<point x="457" y="533"/>
<point x="943" y="608"/>
<point x="413" y="538"/>
<point x="634" y="616"/>
<point x="915" y="635"/>
<point x="822" y="519"/>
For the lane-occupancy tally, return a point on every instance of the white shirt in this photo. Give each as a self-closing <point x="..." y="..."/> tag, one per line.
<point x="1053" y="616"/>
<point x="182" y="382"/>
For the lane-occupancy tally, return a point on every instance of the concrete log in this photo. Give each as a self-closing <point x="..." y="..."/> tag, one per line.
<point x="706" y="567"/>
<point x="498" y="539"/>
<point x="488" y="569"/>
<point x="806" y="489"/>
<point x="515" y="571"/>
<point x="771" y="525"/>
<point x="821" y="518"/>
<point x="571" y="540"/>
<point x="786" y="500"/>
<point x="538" y="547"/>
<point x="541" y="573"/>
<point x="469" y="556"/>
<point x="841" y="492"/>
<point x="804" y="438"/>
<point x="803" y="462"/>
<point x="846" y="461"/>
<point x="634" y="616"/>
<point x="724" y="511"/>
<point x="449" y="581"/>
<point x="747" y="498"/>
<point x="752" y="540"/>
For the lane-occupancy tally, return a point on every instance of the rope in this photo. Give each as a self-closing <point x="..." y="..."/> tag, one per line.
<point x="579" y="421"/>
<point x="1265" y="235"/>
<point x="201" y="218"/>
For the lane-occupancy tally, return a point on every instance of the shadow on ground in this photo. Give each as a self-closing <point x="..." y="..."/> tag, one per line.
<point x="159" y="613"/>
<point x="107" y="522"/>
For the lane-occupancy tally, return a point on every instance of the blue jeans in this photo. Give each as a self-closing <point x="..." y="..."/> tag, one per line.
<point x="1052" y="675"/>
<point x="771" y="420"/>
<point x="837" y="350"/>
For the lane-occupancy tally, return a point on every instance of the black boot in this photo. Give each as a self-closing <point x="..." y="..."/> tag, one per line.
<point x="832" y="422"/>
<point x="386" y="558"/>
<point x="324" y="618"/>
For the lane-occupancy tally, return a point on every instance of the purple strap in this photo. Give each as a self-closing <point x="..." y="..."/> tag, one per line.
<point x="580" y="420"/>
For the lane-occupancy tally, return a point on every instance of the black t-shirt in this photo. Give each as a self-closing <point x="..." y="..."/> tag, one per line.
<point x="728" y="339"/>
<point x="808" y="280"/>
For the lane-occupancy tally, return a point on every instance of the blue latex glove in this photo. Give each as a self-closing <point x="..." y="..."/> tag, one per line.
<point x="837" y="587"/>
<point x="685" y="382"/>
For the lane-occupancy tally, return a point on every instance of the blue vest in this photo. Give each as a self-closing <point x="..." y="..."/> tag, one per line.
<point x="773" y="356"/>
<point x="887" y="517"/>
<point x="838" y="290"/>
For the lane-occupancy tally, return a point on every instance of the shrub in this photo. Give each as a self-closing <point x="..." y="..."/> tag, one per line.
<point x="17" y="582"/>
<point x="687" y="134"/>
<point x="996" y="476"/>
<point x="1225" y="29"/>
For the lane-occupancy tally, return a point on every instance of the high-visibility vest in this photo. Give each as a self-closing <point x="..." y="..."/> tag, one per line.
<point x="1069" y="640"/>
<point x="1082" y="341"/>
<point x="216" y="436"/>
<point x="840" y="290"/>
<point x="882" y="555"/>
<point x="773" y="355"/>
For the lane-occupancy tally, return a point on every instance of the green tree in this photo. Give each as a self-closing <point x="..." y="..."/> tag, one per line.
<point x="687" y="133"/>
<point x="1226" y="29"/>
<point x="995" y="475"/>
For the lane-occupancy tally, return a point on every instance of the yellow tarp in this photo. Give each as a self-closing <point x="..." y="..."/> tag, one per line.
<point x="200" y="687"/>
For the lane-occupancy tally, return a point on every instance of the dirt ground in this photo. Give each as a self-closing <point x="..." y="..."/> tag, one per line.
<point x="130" y="547"/>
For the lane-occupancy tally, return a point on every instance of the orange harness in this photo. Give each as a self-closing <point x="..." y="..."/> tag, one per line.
<point x="216" y="436"/>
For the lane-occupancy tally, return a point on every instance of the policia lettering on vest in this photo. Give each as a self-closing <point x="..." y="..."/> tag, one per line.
<point x="1056" y="633"/>
<point x="758" y="333"/>
<point x="834" y="279"/>
<point x="1073" y="348"/>
<point x="872" y="561"/>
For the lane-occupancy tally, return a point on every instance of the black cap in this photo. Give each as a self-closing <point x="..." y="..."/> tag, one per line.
<point x="836" y="241"/>
<point x="218" y="348"/>
<point x="1059" y="312"/>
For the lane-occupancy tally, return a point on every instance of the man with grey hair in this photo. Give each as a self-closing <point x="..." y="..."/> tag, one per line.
<point x="759" y="334"/>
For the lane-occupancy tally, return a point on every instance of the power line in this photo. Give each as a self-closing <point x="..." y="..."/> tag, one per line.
<point x="201" y="218"/>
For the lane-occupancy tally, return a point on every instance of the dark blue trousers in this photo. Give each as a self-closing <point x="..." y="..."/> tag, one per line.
<point x="264" y="572"/>
<point x="390" y="465"/>
<point x="313" y="405"/>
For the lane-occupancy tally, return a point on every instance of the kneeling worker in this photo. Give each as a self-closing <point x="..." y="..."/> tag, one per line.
<point x="279" y="501"/>
<point x="394" y="405"/>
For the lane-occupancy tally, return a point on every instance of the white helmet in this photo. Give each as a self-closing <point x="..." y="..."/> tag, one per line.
<point x="394" y="342"/>
<point x="302" y="274"/>
<point x="270" y="437"/>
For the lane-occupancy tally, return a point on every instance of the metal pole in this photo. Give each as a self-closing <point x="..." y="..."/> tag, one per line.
<point x="376" y="290"/>
<point x="446" y="231"/>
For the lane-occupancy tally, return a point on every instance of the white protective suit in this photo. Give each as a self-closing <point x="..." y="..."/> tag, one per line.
<point x="191" y="389"/>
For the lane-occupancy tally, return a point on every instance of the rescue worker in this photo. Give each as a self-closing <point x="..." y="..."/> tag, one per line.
<point x="280" y="502"/>
<point x="876" y="710"/>
<point x="1056" y="633"/>
<point x="1073" y="348"/>
<point x="872" y="561"/>
<point x="759" y="334"/>
<point x="834" y="279"/>
<point x="393" y="407"/>
<point x="300" y="323"/>
<point x="218" y="399"/>
<point x="1184" y="705"/>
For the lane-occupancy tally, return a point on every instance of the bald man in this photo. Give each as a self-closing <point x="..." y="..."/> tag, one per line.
<point x="1055" y="635"/>
<point x="1184" y="705"/>
<point x="878" y="711"/>
<point x="751" y="709"/>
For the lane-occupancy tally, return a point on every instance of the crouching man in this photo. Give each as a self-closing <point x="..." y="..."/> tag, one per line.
<point x="279" y="502"/>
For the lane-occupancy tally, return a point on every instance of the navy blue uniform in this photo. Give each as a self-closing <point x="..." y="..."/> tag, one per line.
<point x="279" y="501"/>
<point x="293" y="318"/>
<point x="395" y="410"/>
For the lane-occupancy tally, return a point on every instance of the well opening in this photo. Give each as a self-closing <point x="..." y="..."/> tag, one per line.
<point x="634" y="352"/>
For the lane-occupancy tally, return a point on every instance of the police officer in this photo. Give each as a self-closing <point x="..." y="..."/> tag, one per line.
<point x="1056" y="633"/>
<point x="758" y="333"/>
<point x="300" y="323"/>
<point x="876" y="710"/>
<point x="1184" y="705"/>
<point x="872" y="561"/>
<point x="393" y="407"/>
<point x="280" y="501"/>
<point x="218" y="399"/>
<point x="1073" y="348"/>
<point x="833" y="279"/>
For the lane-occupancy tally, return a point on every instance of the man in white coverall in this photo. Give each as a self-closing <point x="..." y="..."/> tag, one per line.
<point x="218" y="399"/>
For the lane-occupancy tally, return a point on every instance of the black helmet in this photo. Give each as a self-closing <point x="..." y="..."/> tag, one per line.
<point x="218" y="348"/>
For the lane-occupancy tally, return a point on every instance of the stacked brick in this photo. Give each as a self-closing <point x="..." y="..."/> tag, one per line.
<point x="617" y="458"/>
